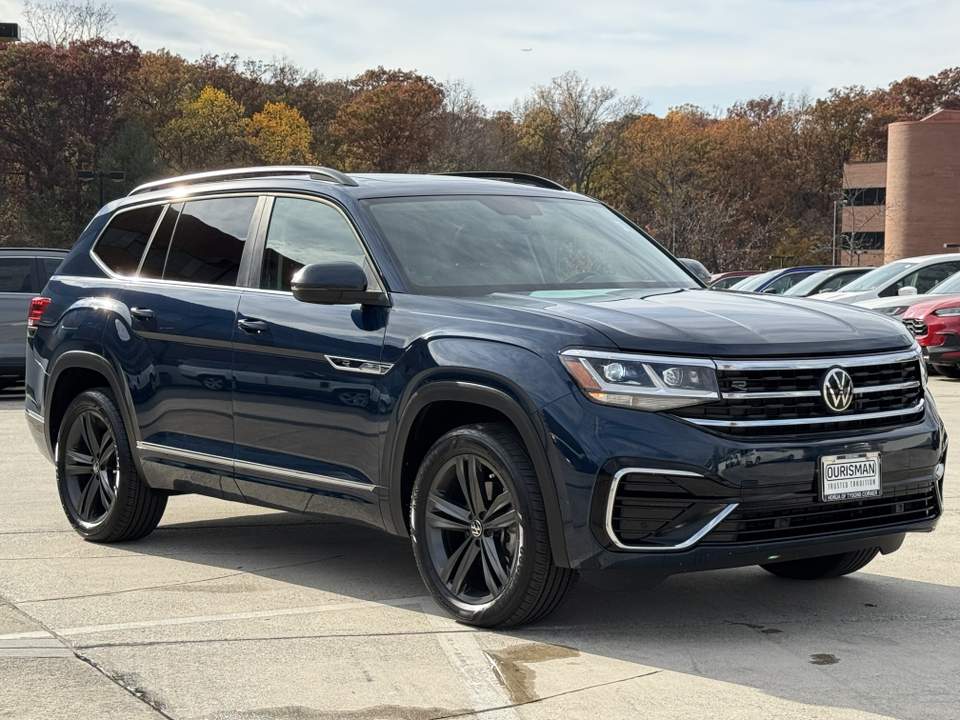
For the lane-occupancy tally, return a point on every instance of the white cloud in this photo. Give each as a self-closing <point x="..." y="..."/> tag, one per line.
<point x="700" y="51"/>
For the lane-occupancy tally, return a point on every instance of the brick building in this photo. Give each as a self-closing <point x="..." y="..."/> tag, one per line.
<point x="908" y="205"/>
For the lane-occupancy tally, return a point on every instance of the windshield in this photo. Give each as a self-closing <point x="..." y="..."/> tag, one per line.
<point x="876" y="278"/>
<point x="948" y="287"/>
<point x="476" y="245"/>
<point x="753" y="282"/>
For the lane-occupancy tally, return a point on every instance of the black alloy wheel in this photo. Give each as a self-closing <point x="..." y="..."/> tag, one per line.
<point x="91" y="467"/>
<point x="473" y="529"/>
<point x="479" y="530"/>
<point x="101" y="491"/>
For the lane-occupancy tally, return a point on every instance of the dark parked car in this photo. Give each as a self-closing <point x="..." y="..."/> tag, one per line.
<point x="511" y="374"/>
<point x="23" y="273"/>
<point x="777" y="282"/>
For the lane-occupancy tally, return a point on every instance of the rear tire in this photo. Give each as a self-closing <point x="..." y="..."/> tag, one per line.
<point x="479" y="530"/>
<point x="102" y="494"/>
<point x="828" y="566"/>
<point x="950" y="371"/>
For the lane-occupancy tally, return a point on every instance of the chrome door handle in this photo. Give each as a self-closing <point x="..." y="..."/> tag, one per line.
<point x="252" y="326"/>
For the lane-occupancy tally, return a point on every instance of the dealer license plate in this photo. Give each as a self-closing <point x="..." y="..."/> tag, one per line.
<point x="848" y="477"/>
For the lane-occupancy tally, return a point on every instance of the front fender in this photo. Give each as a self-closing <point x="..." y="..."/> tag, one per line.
<point x="509" y="379"/>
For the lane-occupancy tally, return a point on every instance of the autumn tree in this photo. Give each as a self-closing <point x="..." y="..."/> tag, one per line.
<point x="62" y="22"/>
<point x="391" y="123"/>
<point x="278" y="135"/>
<point x="582" y="123"/>
<point x="210" y="133"/>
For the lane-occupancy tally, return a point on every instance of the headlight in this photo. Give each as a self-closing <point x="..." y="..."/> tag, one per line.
<point x="898" y="310"/>
<point x="947" y="312"/>
<point x="642" y="382"/>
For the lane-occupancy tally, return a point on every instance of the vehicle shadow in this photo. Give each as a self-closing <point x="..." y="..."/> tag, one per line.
<point x="867" y="642"/>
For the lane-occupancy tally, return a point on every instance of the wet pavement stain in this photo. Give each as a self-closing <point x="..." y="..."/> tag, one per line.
<point x="299" y="712"/>
<point x="512" y="667"/>
<point x="823" y="659"/>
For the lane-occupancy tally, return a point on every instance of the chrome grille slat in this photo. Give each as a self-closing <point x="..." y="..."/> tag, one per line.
<point x="784" y="397"/>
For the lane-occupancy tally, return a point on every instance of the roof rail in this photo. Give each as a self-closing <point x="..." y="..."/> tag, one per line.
<point x="315" y="173"/>
<point x="514" y="177"/>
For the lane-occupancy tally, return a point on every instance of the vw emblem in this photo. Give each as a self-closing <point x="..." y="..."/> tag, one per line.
<point x="476" y="528"/>
<point x="837" y="389"/>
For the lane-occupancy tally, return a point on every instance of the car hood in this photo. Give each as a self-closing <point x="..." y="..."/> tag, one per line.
<point x="841" y="296"/>
<point x="723" y="324"/>
<point x="895" y="301"/>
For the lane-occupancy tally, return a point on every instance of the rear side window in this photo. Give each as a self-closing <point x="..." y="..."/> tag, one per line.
<point x="16" y="275"/>
<point x="208" y="242"/>
<point x="122" y="243"/>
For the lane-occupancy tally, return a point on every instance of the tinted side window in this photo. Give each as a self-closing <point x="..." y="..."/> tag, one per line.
<point x="122" y="243"/>
<point x="303" y="232"/>
<point x="16" y="275"/>
<point x="49" y="267"/>
<point x="156" y="256"/>
<point x="207" y="245"/>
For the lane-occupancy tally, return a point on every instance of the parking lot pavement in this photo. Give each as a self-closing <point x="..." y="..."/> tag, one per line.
<point x="232" y="612"/>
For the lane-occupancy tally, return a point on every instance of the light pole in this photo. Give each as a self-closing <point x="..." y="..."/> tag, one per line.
<point x="836" y="204"/>
<point x="88" y="175"/>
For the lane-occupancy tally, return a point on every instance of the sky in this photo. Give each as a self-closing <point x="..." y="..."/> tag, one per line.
<point x="669" y="52"/>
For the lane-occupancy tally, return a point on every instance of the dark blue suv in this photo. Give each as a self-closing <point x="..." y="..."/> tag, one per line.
<point x="512" y="374"/>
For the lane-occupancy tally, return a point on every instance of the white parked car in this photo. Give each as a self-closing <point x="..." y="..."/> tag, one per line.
<point x="910" y="276"/>
<point x="897" y="305"/>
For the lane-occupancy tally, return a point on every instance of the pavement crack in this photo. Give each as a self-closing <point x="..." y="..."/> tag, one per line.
<point x="498" y="708"/>
<point x="180" y="584"/>
<point x="139" y="693"/>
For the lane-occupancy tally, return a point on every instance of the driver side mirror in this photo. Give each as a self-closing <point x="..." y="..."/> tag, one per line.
<point x="907" y="290"/>
<point x="337" y="283"/>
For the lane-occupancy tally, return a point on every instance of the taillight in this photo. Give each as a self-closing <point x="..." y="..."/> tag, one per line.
<point x="38" y="306"/>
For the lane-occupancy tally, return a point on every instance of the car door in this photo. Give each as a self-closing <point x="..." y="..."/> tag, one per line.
<point x="177" y="351"/>
<point x="307" y="376"/>
<point x="18" y="284"/>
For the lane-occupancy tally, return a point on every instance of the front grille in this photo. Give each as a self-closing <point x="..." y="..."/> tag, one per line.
<point x="917" y="326"/>
<point x="784" y="398"/>
<point x="803" y="517"/>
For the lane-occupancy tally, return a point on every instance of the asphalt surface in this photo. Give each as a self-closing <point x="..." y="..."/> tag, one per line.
<point x="232" y="612"/>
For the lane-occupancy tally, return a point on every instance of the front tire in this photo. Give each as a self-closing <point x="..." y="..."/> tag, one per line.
<point x="102" y="494"/>
<point x="479" y="530"/>
<point x="828" y="566"/>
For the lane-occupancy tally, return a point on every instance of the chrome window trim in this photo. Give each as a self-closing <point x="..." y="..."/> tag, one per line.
<point x="828" y="419"/>
<point x="689" y="542"/>
<point x="819" y="363"/>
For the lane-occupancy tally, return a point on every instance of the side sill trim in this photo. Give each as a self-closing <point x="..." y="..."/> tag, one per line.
<point x="230" y="465"/>
<point x="36" y="417"/>
<point x="689" y="542"/>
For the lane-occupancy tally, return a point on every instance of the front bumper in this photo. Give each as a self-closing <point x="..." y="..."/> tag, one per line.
<point x="707" y="500"/>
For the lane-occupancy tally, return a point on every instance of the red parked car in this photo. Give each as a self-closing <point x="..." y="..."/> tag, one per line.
<point x="936" y="325"/>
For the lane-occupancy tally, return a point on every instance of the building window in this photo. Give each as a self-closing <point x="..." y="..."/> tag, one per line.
<point x="865" y="196"/>
<point x="863" y="241"/>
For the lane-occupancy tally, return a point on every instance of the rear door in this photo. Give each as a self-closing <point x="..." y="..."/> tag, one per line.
<point x="307" y="376"/>
<point x="177" y="351"/>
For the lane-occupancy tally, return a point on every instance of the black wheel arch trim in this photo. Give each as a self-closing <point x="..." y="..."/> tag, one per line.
<point x="526" y="423"/>
<point x="84" y="359"/>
